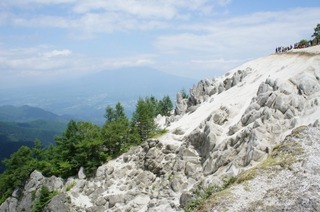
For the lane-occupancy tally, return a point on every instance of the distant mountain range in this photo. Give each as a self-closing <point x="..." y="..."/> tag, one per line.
<point x="25" y="113"/>
<point x="87" y="97"/>
<point x="21" y="126"/>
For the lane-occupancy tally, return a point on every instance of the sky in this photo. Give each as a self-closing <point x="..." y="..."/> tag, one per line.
<point x="42" y="41"/>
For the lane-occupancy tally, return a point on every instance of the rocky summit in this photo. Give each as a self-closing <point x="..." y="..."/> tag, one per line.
<point x="257" y="126"/>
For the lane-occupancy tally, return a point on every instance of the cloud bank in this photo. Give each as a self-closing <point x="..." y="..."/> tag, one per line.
<point x="193" y="38"/>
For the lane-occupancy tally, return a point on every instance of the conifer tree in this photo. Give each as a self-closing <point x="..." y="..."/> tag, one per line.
<point x="143" y="117"/>
<point x="117" y="134"/>
<point x="316" y="33"/>
<point x="165" y="106"/>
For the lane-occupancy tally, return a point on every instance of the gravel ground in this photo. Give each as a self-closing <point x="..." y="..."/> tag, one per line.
<point x="290" y="182"/>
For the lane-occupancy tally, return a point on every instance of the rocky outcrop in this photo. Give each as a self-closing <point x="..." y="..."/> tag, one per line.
<point x="23" y="199"/>
<point x="205" y="89"/>
<point x="225" y="127"/>
<point x="181" y="105"/>
<point x="59" y="203"/>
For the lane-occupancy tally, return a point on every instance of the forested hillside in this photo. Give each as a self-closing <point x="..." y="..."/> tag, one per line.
<point x="84" y="144"/>
<point x="21" y="126"/>
<point x="13" y="135"/>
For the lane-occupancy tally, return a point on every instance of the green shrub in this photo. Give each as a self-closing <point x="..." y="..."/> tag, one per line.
<point x="44" y="197"/>
<point x="203" y="194"/>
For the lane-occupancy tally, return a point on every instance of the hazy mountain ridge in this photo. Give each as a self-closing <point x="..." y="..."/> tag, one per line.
<point x="225" y="127"/>
<point x="25" y="113"/>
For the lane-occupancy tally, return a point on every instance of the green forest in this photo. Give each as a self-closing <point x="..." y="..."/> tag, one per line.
<point x="27" y="131"/>
<point x="84" y="144"/>
<point x="13" y="135"/>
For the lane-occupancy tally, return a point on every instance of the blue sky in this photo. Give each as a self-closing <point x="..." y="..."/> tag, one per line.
<point x="46" y="40"/>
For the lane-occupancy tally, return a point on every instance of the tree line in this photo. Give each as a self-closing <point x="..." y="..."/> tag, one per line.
<point x="84" y="144"/>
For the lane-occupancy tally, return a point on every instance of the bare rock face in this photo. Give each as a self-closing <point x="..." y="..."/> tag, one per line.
<point x="205" y="89"/>
<point x="181" y="105"/>
<point x="58" y="203"/>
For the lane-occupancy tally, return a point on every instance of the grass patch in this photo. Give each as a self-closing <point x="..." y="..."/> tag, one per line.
<point x="217" y="198"/>
<point x="202" y="194"/>
<point x="70" y="186"/>
<point x="247" y="175"/>
<point x="296" y="132"/>
<point x="283" y="155"/>
<point x="158" y="133"/>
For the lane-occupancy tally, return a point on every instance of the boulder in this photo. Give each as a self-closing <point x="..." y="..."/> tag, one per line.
<point x="308" y="85"/>
<point x="115" y="198"/>
<point x="178" y="184"/>
<point x="101" y="201"/>
<point x="34" y="181"/>
<point x="81" y="174"/>
<point x="185" y="198"/>
<point x="58" y="203"/>
<point x="181" y="105"/>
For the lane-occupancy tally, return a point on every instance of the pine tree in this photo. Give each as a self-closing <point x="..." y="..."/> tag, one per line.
<point x="44" y="198"/>
<point x="316" y="33"/>
<point x="143" y="117"/>
<point x="165" y="106"/>
<point x="117" y="134"/>
<point x="115" y="114"/>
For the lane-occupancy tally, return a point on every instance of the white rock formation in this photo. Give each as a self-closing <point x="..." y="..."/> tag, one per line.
<point x="226" y="126"/>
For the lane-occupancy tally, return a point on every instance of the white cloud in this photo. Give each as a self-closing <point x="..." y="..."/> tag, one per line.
<point x="42" y="64"/>
<point x="142" y="9"/>
<point x="57" y="53"/>
<point x="32" y="3"/>
<point x="165" y="9"/>
<point x="20" y="60"/>
<point x="107" y="16"/>
<point x="200" y="46"/>
<point x="216" y="61"/>
<point x="187" y="36"/>
<point x="243" y="35"/>
<point x="224" y="2"/>
<point x="32" y="60"/>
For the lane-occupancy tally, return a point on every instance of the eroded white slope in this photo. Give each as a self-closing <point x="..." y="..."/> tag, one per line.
<point x="201" y="149"/>
<point x="280" y="67"/>
<point x="225" y="127"/>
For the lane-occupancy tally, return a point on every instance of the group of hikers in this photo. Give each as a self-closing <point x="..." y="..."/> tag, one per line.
<point x="302" y="44"/>
<point x="283" y="49"/>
